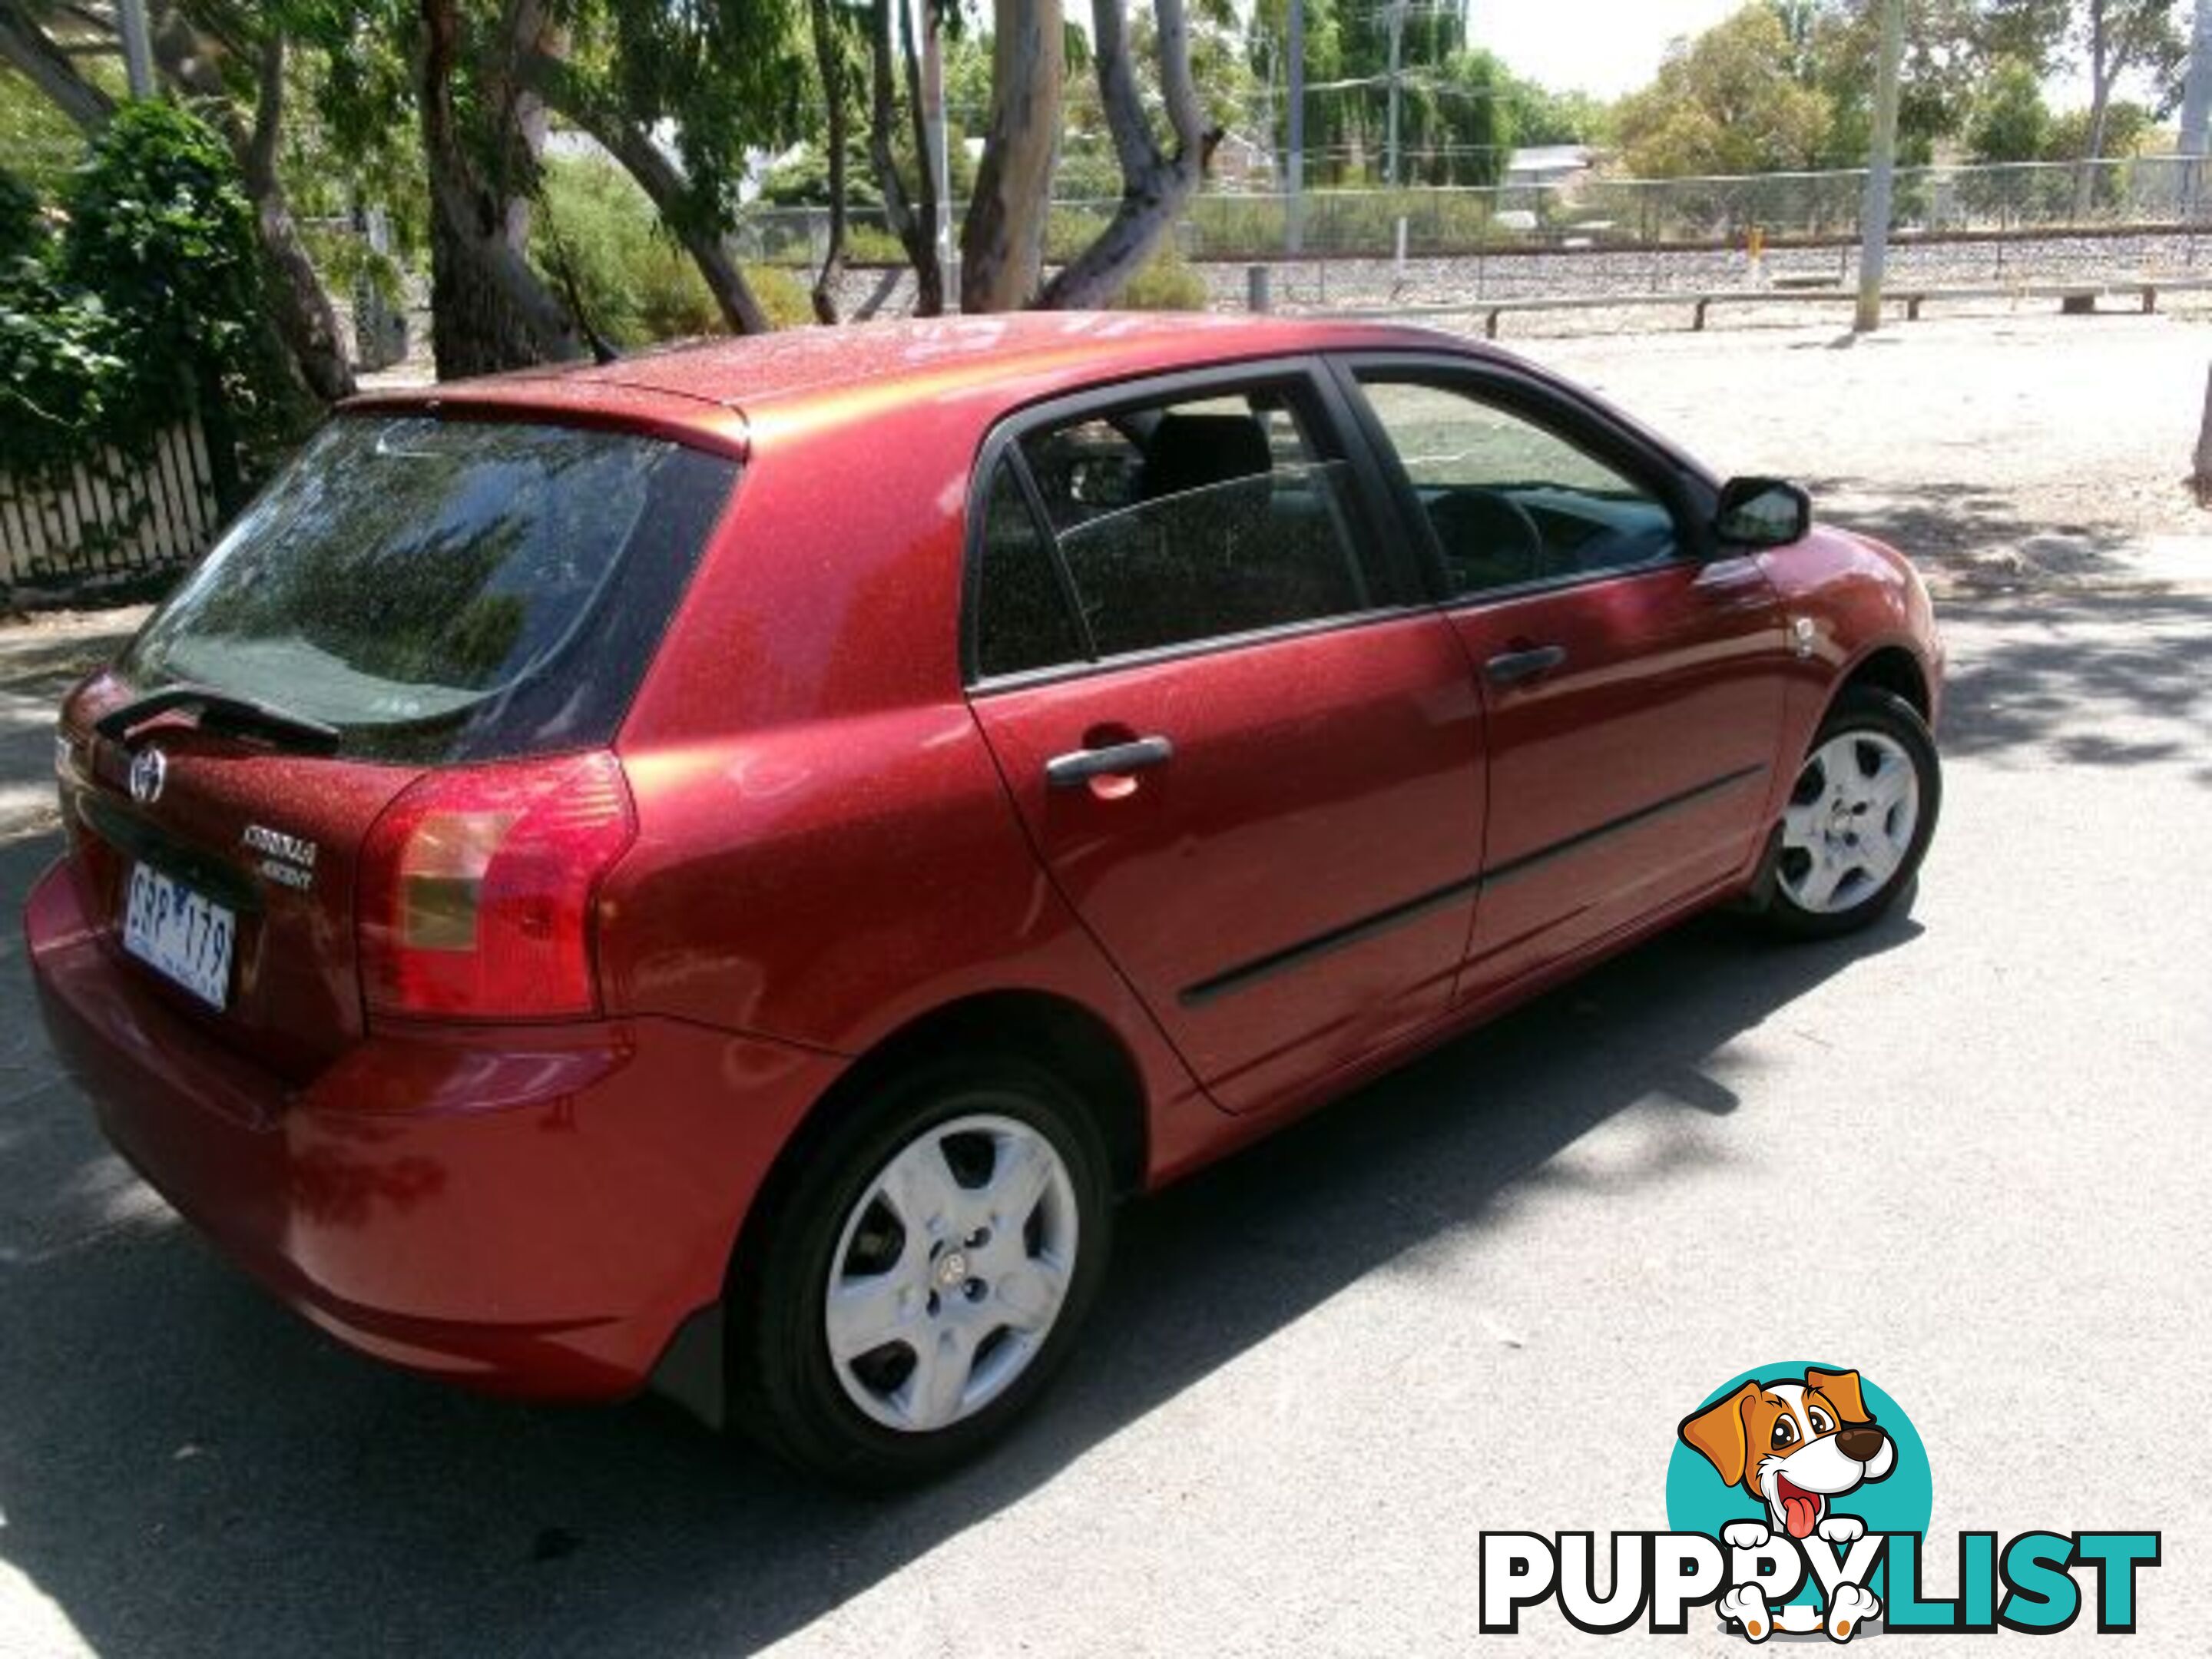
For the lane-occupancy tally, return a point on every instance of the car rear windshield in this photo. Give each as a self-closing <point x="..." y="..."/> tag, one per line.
<point x="446" y="590"/>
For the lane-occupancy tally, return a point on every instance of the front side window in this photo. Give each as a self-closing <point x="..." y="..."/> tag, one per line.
<point x="1511" y="502"/>
<point x="1175" y="522"/>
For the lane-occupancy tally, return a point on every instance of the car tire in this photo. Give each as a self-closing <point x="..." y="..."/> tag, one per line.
<point x="1860" y="816"/>
<point x="914" y="1213"/>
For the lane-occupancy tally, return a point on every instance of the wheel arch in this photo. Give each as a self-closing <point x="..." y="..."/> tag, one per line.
<point x="1891" y="667"/>
<point x="1050" y="1031"/>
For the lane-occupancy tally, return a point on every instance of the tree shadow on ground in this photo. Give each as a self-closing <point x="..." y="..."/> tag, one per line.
<point x="1971" y="531"/>
<point x="2099" y="678"/>
<point x="186" y="1468"/>
<point x="46" y="668"/>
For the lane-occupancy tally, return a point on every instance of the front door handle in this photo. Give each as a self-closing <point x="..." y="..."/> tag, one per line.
<point x="1515" y="666"/>
<point x="1073" y="771"/>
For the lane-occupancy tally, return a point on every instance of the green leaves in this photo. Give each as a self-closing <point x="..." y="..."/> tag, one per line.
<point x="153" y="291"/>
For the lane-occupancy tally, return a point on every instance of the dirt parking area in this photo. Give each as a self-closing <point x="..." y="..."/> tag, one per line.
<point x="2002" y="452"/>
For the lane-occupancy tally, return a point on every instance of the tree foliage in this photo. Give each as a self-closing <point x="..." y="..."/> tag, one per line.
<point x="2010" y="121"/>
<point x="151" y="294"/>
<point x="1731" y="101"/>
<point x="1973" y="71"/>
<point x="1456" y="101"/>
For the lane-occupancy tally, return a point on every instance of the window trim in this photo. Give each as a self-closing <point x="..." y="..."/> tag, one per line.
<point x="1335" y="433"/>
<point x="1674" y="481"/>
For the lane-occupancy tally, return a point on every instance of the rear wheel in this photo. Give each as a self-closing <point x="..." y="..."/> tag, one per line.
<point x="924" y="1274"/>
<point x="1859" y="819"/>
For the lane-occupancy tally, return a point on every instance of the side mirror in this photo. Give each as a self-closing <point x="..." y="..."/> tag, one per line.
<point x="1762" y="512"/>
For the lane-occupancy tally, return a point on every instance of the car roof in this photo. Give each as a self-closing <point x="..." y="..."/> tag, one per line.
<point x="709" y="392"/>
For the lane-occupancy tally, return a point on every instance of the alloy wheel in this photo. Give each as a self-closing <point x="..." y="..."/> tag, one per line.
<point x="949" y="1272"/>
<point x="1850" y="824"/>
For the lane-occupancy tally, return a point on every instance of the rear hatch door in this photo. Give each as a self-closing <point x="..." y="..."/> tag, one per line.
<point x="411" y="593"/>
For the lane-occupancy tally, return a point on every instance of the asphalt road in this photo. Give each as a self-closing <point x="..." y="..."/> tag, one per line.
<point x="1965" y="1154"/>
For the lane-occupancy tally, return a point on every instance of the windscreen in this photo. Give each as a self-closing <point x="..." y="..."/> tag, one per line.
<point x="445" y="589"/>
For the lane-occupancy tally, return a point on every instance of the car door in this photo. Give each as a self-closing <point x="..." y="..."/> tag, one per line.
<point x="1245" y="748"/>
<point x="1633" y="685"/>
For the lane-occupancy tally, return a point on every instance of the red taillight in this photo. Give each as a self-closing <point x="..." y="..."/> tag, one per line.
<point x="477" y="889"/>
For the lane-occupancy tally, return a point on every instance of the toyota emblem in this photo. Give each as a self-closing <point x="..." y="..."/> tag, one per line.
<point x="149" y="770"/>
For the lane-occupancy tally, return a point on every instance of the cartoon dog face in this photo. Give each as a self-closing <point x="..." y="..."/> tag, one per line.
<point x="1793" y="1445"/>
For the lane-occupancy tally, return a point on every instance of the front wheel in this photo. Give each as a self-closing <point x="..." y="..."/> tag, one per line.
<point x="1859" y="818"/>
<point x="924" y="1274"/>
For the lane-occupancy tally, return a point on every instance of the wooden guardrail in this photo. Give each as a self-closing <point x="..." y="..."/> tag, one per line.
<point x="2073" y="296"/>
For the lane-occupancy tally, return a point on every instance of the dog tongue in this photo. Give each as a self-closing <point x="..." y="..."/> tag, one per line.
<point x="1800" y="1512"/>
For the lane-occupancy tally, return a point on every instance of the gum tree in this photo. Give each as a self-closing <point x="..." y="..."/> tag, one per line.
<point x="227" y="60"/>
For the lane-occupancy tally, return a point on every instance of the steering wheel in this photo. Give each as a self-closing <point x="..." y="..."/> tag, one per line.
<point x="1488" y="538"/>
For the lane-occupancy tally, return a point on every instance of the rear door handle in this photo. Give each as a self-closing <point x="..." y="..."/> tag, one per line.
<point x="1073" y="771"/>
<point x="1514" y="666"/>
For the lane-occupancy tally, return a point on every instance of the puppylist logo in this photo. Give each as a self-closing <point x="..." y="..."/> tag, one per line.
<point x="1797" y="1499"/>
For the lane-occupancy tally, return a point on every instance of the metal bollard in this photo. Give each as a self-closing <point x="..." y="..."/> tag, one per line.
<point x="1257" y="296"/>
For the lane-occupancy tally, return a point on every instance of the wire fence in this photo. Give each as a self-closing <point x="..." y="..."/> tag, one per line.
<point x="2149" y="192"/>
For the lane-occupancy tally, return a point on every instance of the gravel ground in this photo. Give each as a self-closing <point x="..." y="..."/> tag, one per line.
<point x="1595" y="272"/>
<point x="1340" y="284"/>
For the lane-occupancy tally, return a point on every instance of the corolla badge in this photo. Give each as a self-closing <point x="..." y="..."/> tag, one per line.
<point x="149" y="770"/>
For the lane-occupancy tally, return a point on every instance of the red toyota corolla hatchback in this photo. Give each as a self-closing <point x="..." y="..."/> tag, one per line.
<point x="717" y="869"/>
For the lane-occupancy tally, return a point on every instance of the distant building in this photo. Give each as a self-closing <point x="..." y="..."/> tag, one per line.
<point x="1548" y="164"/>
<point x="1241" y="163"/>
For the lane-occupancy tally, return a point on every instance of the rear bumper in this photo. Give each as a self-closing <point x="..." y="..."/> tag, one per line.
<point x="531" y="1211"/>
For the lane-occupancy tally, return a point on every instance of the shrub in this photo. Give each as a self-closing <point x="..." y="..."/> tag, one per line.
<point x="1069" y="230"/>
<point x="786" y="299"/>
<point x="22" y="230"/>
<point x="866" y="244"/>
<point x="637" y="284"/>
<point x="1167" y="281"/>
<point x="159" y="225"/>
<point x="152" y="293"/>
<point x="596" y="228"/>
<point x="68" y="382"/>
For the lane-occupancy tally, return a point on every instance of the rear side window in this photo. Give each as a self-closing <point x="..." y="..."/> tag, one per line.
<point x="1173" y="522"/>
<point x="1024" y="620"/>
<point x="447" y="590"/>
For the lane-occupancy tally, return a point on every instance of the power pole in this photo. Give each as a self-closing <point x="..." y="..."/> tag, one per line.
<point x="1874" y="212"/>
<point x="2197" y="92"/>
<point x="1294" y="230"/>
<point x="1397" y="41"/>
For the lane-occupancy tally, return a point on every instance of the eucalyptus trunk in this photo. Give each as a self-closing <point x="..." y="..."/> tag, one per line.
<point x="489" y="309"/>
<point x="26" y="47"/>
<point x="829" y="62"/>
<point x="914" y="224"/>
<point x="662" y="180"/>
<point x="1002" y="239"/>
<point x="305" y="321"/>
<point x="1155" y="182"/>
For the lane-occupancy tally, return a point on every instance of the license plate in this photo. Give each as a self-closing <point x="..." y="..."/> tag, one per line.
<point x="179" y="934"/>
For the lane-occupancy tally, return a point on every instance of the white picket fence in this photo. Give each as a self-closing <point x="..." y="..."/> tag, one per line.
<point x="115" y="517"/>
